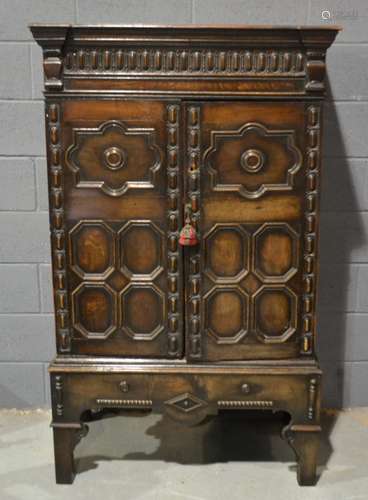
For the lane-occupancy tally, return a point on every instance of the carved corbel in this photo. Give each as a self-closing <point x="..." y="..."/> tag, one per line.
<point x="53" y="68"/>
<point x="52" y="42"/>
<point x="316" y="70"/>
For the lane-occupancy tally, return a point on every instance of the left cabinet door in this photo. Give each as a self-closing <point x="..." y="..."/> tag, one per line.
<point x="115" y="213"/>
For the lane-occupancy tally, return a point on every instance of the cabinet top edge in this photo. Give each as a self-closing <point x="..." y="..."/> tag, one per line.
<point x="49" y="34"/>
<point x="189" y="26"/>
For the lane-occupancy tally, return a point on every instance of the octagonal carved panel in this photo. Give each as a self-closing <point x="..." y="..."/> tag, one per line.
<point x="226" y="314"/>
<point x="227" y="253"/>
<point x="94" y="310"/>
<point x="275" y="252"/>
<point x="92" y="250"/>
<point x="275" y="313"/>
<point x="142" y="311"/>
<point x="141" y="250"/>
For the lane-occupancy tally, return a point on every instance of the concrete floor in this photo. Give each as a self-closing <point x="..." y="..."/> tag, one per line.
<point x="235" y="456"/>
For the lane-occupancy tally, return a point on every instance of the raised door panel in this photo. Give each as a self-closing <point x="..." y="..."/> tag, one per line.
<point x="118" y="162"/>
<point x="252" y="179"/>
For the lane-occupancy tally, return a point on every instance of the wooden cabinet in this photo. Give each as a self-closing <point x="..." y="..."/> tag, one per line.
<point x="214" y="131"/>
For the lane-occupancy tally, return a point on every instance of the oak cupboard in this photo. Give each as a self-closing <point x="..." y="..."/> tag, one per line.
<point x="184" y="178"/>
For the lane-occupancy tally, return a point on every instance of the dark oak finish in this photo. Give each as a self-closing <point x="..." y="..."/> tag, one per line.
<point x="152" y="127"/>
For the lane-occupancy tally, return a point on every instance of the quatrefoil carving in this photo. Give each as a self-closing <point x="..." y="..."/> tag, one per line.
<point x="252" y="160"/>
<point x="114" y="157"/>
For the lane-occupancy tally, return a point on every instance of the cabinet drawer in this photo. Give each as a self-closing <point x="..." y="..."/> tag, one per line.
<point x="89" y="390"/>
<point x="187" y="395"/>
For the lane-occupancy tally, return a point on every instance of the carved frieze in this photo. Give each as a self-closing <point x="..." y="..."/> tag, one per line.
<point x="185" y="61"/>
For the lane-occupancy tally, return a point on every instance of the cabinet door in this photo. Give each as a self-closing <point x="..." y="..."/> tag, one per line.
<point x="123" y="273"/>
<point x="245" y="291"/>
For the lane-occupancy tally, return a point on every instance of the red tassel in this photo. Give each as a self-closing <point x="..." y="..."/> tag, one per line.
<point x="188" y="236"/>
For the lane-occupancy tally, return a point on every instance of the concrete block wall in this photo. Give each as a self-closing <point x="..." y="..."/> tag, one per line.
<point x="26" y="324"/>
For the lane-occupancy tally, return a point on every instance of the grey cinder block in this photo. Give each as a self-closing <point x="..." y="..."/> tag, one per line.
<point x="19" y="288"/>
<point x="352" y="16"/>
<point x="345" y="384"/>
<point x="344" y="237"/>
<point x="25" y="237"/>
<point x="346" y="129"/>
<point x="338" y="287"/>
<point x="15" y="76"/>
<point x="131" y="11"/>
<point x="15" y="15"/>
<point x="41" y="176"/>
<point x="22" y="128"/>
<point x="26" y="337"/>
<point x="362" y="289"/>
<point x="347" y="67"/>
<point x="344" y="185"/>
<point x="342" y="337"/>
<point x="250" y="12"/>
<point x="47" y="304"/>
<point x="37" y="71"/>
<point x="17" y="184"/>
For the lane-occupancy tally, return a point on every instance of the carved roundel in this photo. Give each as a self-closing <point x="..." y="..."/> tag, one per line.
<point x="252" y="160"/>
<point x="275" y="312"/>
<point x="226" y="314"/>
<point x="275" y="252"/>
<point x="227" y="253"/>
<point x="115" y="158"/>
<point x="94" y="310"/>
<point x="143" y="311"/>
<point x="141" y="250"/>
<point x="92" y="249"/>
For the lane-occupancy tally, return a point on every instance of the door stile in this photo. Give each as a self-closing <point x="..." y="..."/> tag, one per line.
<point x="175" y="264"/>
<point x="192" y="261"/>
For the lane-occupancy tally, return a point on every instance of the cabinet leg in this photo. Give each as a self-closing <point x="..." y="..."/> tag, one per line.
<point x="64" y="442"/>
<point x="304" y="440"/>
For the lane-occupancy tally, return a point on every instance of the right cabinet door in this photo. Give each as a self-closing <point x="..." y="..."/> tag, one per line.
<point x="257" y="228"/>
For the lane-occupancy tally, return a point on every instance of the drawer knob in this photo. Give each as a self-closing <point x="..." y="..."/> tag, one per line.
<point x="124" y="386"/>
<point x="245" y="389"/>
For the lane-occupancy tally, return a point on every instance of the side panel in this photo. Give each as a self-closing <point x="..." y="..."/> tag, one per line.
<point x="252" y="230"/>
<point x="120" y="278"/>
